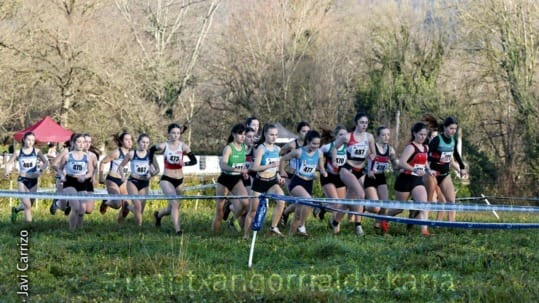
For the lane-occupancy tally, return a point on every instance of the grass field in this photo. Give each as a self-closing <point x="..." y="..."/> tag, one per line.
<point x="108" y="262"/>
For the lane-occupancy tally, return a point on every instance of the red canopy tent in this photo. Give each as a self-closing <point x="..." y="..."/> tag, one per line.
<point x="46" y="130"/>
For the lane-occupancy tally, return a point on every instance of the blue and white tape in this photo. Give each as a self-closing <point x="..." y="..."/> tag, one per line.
<point x="102" y="194"/>
<point x="469" y="225"/>
<point x="367" y="203"/>
<point x="325" y="203"/>
<point x="413" y="205"/>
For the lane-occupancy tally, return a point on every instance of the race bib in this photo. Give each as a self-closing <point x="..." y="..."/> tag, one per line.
<point x="173" y="159"/>
<point x="380" y="167"/>
<point x="419" y="170"/>
<point x="141" y="170"/>
<point x="28" y="163"/>
<point x="446" y="157"/>
<point x="271" y="161"/>
<point x="307" y="170"/>
<point x="77" y="167"/>
<point x="359" y="151"/>
<point x="339" y="161"/>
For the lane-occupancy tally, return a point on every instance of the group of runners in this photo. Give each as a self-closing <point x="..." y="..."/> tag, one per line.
<point x="129" y="173"/>
<point x="350" y="165"/>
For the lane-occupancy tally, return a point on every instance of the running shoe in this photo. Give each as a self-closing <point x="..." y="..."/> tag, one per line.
<point x="125" y="209"/>
<point x="359" y="231"/>
<point x="103" y="207"/>
<point x="67" y="211"/>
<point x="234" y="223"/>
<point x="226" y="210"/>
<point x="275" y="230"/>
<point x="284" y="220"/>
<point x="14" y="213"/>
<point x="53" y="207"/>
<point x="322" y="213"/>
<point x="316" y="212"/>
<point x="334" y="228"/>
<point x="384" y="226"/>
<point x="302" y="231"/>
<point x="157" y="219"/>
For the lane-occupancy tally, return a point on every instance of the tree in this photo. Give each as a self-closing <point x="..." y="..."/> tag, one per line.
<point x="169" y="36"/>
<point x="500" y="44"/>
<point x="78" y="62"/>
<point x="16" y="96"/>
<point x="403" y="54"/>
<point x="275" y="60"/>
<point x="56" y="47"/>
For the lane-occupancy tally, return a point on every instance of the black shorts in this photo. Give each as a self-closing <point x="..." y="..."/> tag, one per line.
<point x="28" y="182"/>
<point x="358" y="172"/>
<point x="406" y="183"/>
<point x="139" y="184"/>
<point x="175" y="182"/>
<point x="89" y="185"/>
<point x="74" y="182"/>
<point x="440" y="178"/>
<point x="332" y="179"/>
<point x="118" y="181"/>
<point x="379" y="179"/>
<point x="297" y="181"/>
<point x="262" y="185"/>
<point x="229" y="181"/>
<point x="247" y="182"/>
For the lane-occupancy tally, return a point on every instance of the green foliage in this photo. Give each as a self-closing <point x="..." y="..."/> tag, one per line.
<point x="483" y="172"/>
<point x="402" y="71"/>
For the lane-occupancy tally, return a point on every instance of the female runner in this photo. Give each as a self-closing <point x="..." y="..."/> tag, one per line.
<point x="375" y="182"/>
<point x="230" y="181"/>
<point x="360" y="146"/>
<point x="143" y="168"/>
<point x="114" y="182"/>
<point x="29" y="171"/>
<point x="309" y="159"/>
<point x="413" y="162"/>
<point x="267" y="180"/>
<point x="75" y="170"/>
<point x="172" y="179"/>
<point x="442" y="152"/>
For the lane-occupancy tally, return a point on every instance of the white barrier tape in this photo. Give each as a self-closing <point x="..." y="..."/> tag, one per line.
<point x="367" y="203"/>
<point x="101" y="194"/>
<point x="533" y="199"/>
<point x="458" y="224"/>
<point x="151" y="192"/>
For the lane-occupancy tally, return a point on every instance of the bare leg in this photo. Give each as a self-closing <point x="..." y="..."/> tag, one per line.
<point x="448" y="190"/>
<point x="221" y="190"/>
<point x="253" y="205"/>
<point x="419" y="193"/>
